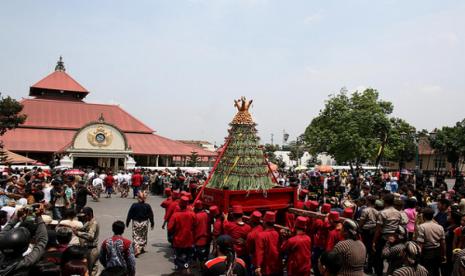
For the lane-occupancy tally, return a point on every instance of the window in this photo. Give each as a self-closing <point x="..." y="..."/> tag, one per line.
<point x="439" y="162"/>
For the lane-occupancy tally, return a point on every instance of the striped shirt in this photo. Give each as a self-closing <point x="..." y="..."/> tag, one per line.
<point x="411" y="271"/>
<point x="353" y="253"/>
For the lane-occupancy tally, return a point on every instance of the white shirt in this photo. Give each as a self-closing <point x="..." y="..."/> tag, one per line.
<point x="97" y="182"/>
<point x="47" y="195"/>
<point x="10" y="211"/>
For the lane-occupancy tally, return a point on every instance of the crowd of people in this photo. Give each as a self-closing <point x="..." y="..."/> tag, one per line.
<point x="344" y="223"/>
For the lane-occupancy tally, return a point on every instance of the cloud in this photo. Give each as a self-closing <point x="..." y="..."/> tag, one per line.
<point x="313" y="18"/>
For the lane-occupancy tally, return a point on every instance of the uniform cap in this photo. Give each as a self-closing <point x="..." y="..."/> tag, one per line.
<point x="168" y="191"/>
<point x="176" y="195"/>
<point x="269" y="217"/>
<point x="184" y="201"/>
<point x="301" y="222"/>
<point x="314" y="205"/>
<point x="214" y="210"/>
<point x="189" y="196"/>
<point x="348" y="213"/>
<point x="237" y="209"/>
<point x="303" y="192"/>
<point x="198" y="204"/>
<point x="333" y="216"/>
<point x="326" y="208"/>
<point x="255" y="216"/>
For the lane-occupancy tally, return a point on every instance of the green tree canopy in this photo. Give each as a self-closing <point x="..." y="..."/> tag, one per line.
<point x="400" y="143"/>
<point x="10" y="116"/>
<point x="450" y="141"/>
<point x="350" y="128"/>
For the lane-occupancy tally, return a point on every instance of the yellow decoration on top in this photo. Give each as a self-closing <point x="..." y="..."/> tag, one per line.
<point x="243" y="116"/>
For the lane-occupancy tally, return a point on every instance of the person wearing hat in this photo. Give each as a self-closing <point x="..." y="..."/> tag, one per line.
<point x="181" y="227"/>
<point x="411" y="256"/>
<point x="334" y="231"/>
<point x="351" y="249"/>
<point x="173" y="205"/>
<point x="88" y="237"/>
<point x="216" y="219"/>
<point x="168" y="199"/>
<point x="267" y="247"/>
<point x="320" y="240"/>
<point x="14" y="241"/>
<point x="257" y="228"/>
<point x="202" y="232"/>
<point x="238" y="230"/>
<point x="226" y="262"/>
<point x="140" y="213"/>
<point x="298" y="250"/>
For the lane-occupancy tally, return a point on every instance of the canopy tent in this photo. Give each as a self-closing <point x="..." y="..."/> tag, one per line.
<point x="14" y="158"/>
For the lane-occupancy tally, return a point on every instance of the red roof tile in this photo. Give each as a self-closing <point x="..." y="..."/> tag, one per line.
<point x="74" y="115"/>
<point x="53" y="140"/>
<point x="37" y="140"/>
<point x="59" y="80"/>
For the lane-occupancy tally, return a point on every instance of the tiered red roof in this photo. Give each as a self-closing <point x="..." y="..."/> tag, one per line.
<point x="52" y="122"/>
<point x="60" y="80"/>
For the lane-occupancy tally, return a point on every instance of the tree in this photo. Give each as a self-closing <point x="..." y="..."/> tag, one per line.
<point x="193" y="159"/>
<point x="10" y="116"/>
<point x="450" y="141"/>
<point x="400" y="143"/>
<point x="296" y="148"/>
<point x="350" y="128"/>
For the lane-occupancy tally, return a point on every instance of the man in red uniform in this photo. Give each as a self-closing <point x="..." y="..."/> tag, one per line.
<point x="298" y="250"/>
<point x="320" y="238"/>
<point x="136" y="182"/>
<point x="257" y="228"/>
<point x="216" y="219"/>
<point x="267" y="247"/>
<point x="170" y="210"/>
<point x="334" y="231"/>
<point x="202" y="232"/>
<point x="181" y="227"/>
<point x="108" y="181"/>
<point x="238" y="230"/>
<point x="168" y="199"/>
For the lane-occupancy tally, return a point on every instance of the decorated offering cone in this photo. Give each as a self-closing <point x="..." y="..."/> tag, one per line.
<point x="242" y="165"/>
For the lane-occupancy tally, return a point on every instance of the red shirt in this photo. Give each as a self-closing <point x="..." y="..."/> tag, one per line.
<point x="334" y="236"/>
<point x="202" y="229"/>
<point x="108" y="181"/>
<point x="181" y="226"/>
<point x="290" y="220"/>
<point x="321" y="236"/>
<point x="171" y="209"/>
<point x="217" y="228"/>
<point x="298" y="250"/>
<point x="251" y="241"/>
<point x="136" y="180"/>
<point x="239" y="233"/>
<point x="166" y="203"/>
<point x="267" y="247"/>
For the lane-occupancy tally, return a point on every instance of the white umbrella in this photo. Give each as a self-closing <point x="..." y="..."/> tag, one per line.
<point x="193" y="171"/>
<point x="301" y="168"/>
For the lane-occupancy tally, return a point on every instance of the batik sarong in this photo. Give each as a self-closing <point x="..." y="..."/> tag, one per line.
<point x="139" y="234"/>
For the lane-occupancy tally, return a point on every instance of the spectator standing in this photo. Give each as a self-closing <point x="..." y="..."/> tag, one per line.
<point x="140" y="214"/>
<point x="118" y="251"/>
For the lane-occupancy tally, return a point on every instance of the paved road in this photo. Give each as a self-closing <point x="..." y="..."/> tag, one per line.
<point x="156" y="261"/>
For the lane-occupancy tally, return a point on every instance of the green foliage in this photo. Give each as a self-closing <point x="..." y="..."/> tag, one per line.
<point x="296" y="148"/>
<point x="400" y="144"/>
<point x="450" y="141"/>
<point x="350" y="128"/>
<point x="243" y="165"/>
<point x="193" y="159"/>
<point x="10" y="116"/>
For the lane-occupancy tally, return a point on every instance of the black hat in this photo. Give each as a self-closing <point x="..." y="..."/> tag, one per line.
<point x="15" y="242"/>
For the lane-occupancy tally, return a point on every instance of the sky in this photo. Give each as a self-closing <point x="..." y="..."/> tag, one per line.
<point x="178" y="65"/>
